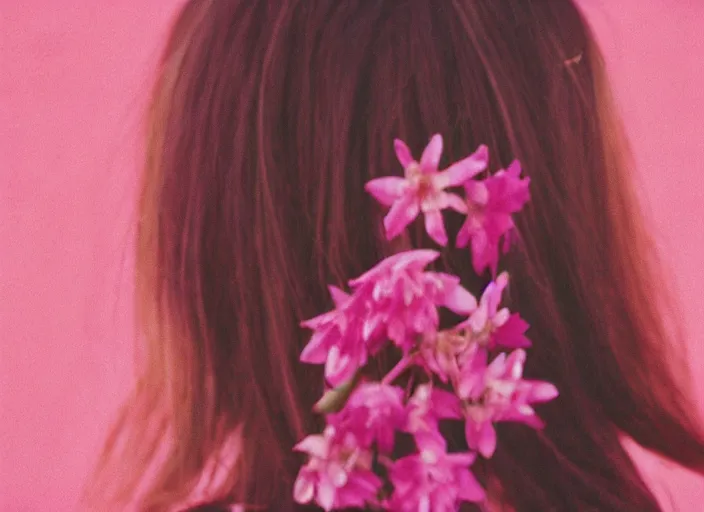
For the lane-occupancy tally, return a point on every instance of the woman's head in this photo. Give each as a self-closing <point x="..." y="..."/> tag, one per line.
<point x="267" y="119"/>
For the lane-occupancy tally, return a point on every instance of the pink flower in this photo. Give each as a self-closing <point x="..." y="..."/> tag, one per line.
<point x="423" y="188"/>
<point x="433" y="481"/>
<point x="395" y="300"/>
<point x="424" y="409"/>
<point x="443" y="352"/>
<point x="336" y="341"/>
<point x="490" y="204"/>
<point x="496" y="393"/>
<point x="373" y="413"/>
<point x="490" y="326"/>
<point x="401" y="299"/>
<point x="338" y="473"/>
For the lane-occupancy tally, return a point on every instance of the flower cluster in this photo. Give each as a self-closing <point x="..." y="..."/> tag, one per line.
<point x="462" y="373"/>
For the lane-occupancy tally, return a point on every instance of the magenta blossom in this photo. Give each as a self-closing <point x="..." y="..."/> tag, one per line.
<point x="442" y="352"/>
<point x="423" y="188"/>
<point x="497" y="392"/>
<point x="336" y="340"/>
<point x="395" y="300"/>
<point x="424" y="409"/>
<point x="353" y="463"/>
<point x="490" y="204"/>
<point x="338" y="473"/>
<point x="490" y="326"/>
<point x="401" y="299"/>
<point x="433" y="481"/>
<point x="373" y="413"/>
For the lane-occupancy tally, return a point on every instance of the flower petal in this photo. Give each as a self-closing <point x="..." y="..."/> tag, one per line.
<point x="320" y="321"/>
<point x="402" y="213"/>
<point x="514" y="363"/>
<point x="487" y="440"/>
<point x="304" y="488"/>
<point x="326" y="494"/>
<point x="429" y="441"/>
<point x="501" y="317"/>
<point x="455" y="202"/>
<point x="542" y="392"/>
<point x="511" y="333"/>
<point x="462" y="459"/>
<point x="464" y="170"/>
<point x="456" y="298"/>
<point x="477" y="192"/>
<point x="523" y="414"/>
<point x="471" y="433"/>
<point x="469" y="488"/>
<point x="444" y="404"/>
<point x="470" y="385"/>
<point x="316" y="351"/>
<point x="479" y="318"/>
<point x="370" y="325"/>
<point x="339" y="367"/>
<point x="514" y="168"/>
<point x="494" y="299"/>
<point x="367" y="482"/>
<point x="362" y="488"/>
<point x="498" y="223"/>
<point x="337" y="474"/>
<point x="403" y="153"/>
<point x="464" y="235"/>
<point x="498" y="368"/>
<point x="435" y="227"/>
<point x="386" y="190"/>
<point x="430" y="159"/>
<point x="484" y="252"/>
<point x="315" y="445"/>
<point x="339" y="297"/>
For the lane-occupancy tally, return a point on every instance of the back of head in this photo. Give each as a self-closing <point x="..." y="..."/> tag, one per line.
<point x="267" y="119"/>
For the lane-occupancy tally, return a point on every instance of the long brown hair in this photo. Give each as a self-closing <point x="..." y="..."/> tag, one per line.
<point x="267" y="118"/>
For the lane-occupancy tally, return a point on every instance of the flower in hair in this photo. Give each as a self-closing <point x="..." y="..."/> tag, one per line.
<point x="443" y="352"/>
<point x="497" y="392"/>
<point x="490" y="326"/>
<point x="395" y="300"/>
<point x="398" y="305"/>
<point x="401" y="298"/>
<point x="335" y="340"/>
<point x="433" y="480"/>
<point x="490" y="204"/>
<point x="425" y="409"/>
<point x="373" y="412"/>
<point x="422" y="189"/>
<point x="338" y="474"/>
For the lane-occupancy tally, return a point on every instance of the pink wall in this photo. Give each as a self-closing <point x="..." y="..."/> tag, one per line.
<point x="72" y="84"/>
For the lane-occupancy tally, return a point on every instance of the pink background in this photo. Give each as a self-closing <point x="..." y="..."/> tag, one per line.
<point x="72" y="85"/>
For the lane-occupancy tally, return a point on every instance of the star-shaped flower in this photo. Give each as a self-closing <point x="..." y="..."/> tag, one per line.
<point x="422" y="189"/>
<point x="497" y="392"/>
<point x="338" y="474"/>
